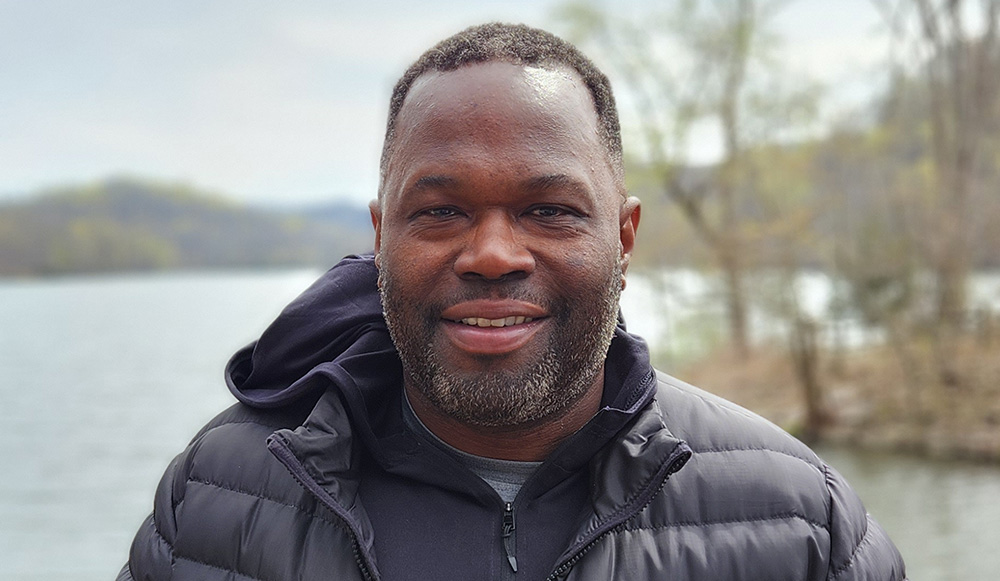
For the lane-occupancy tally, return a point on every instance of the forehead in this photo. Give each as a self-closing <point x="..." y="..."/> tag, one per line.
<point x="497" y="112"/>
<point x="526" y="88"/>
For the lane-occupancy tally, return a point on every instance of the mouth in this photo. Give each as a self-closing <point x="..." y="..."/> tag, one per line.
<point x="492" y="327"/>
<point x="509" y="321"/>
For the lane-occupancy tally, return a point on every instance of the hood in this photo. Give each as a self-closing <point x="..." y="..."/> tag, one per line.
<point x="337" y="317"/>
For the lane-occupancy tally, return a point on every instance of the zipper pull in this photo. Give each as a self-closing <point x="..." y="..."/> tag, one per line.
<point x="509" y="541"/>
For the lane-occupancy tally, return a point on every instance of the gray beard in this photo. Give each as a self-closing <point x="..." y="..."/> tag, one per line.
<point x="558" y="377"/>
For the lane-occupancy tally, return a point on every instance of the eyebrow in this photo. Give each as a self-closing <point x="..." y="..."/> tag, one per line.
<point x="554" y="181"/>
<point x="433" y="182"/>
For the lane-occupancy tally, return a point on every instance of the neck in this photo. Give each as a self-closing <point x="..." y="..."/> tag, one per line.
<point x="532" y="442"/>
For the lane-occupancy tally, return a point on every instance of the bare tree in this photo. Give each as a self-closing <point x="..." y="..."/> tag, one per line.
<point x="692" y="67"/>
<point x="953" y="45"/>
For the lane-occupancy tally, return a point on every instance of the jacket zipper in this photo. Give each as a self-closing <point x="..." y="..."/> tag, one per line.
<point x="307" y="482"/>
<point x="676" y="463"/>
<point x="509" y="540"/>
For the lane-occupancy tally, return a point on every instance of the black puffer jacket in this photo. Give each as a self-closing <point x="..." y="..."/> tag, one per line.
<point x="667" y="482"/>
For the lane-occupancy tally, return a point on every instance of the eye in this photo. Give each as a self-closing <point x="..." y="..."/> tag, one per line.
<point x="550" y="212"/>
<point x="440" y="213"/>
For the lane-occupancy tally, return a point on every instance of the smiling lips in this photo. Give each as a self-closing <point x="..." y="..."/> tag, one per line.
<point x="490" y="327"/>
<point x="504" y="322"/>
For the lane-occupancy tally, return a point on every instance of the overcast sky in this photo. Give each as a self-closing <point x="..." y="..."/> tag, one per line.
<point x="261" y="100"/>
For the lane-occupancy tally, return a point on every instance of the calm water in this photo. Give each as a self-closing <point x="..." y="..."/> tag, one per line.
<point x="103" y="380"/>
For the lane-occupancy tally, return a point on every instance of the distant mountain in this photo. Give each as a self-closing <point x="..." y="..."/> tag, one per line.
<point x="129" y="224"/>
<point x="337" y="213"/>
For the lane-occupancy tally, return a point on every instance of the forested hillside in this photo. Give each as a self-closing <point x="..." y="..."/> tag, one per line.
<point x="127" y="224"/>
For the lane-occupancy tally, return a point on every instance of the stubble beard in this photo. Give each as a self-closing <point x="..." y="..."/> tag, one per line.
<point x="499" y="396"/>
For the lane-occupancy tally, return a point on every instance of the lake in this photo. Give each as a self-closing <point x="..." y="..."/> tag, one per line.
<point x="104" y="379"/>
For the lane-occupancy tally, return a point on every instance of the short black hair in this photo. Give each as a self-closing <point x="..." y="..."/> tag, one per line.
<point x="517" y="44"/>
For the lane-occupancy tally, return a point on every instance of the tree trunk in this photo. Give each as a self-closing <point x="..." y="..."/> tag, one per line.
<point x="736" y="301"/>
<point x="805" y="358"/>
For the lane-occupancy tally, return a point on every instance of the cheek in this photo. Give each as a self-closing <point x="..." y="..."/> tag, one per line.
<point x="593" y="253"/>
<point x="415" y="271"/>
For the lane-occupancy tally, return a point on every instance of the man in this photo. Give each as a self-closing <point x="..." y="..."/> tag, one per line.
<point x="496" y="423"/>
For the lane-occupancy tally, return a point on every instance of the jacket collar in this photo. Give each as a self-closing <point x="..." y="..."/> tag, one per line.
<point x="627" y="447"/>
<point x="360" y="410"/>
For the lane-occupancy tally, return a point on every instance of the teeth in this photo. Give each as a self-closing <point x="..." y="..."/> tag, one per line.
<point x="505" y="322"/>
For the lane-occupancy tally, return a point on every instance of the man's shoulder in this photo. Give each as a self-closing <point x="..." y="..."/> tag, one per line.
<point x="708" y="422"/>
<point x="230" y="451"/>
<point x="228" y="459"/>
<point x="243" y="418"/>
<point x="766" y="489"/>
<point x="743" y="468"/>
<point x="226" y="485"/>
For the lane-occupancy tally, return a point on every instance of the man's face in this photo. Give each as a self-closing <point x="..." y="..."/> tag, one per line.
<point x="503" y="236"/>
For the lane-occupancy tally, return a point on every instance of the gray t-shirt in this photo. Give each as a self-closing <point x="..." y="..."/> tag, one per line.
<point x="505" y="476"/>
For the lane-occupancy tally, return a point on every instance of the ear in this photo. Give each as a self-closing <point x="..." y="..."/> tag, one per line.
<point x="629" y="222"/>
<point x="375" y="209"/>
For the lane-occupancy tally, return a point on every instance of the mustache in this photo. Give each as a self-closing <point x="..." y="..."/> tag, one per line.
<point x="431" y="307"/>
<point x="494" y="290"/>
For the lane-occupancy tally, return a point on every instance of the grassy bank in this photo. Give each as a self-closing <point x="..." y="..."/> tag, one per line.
<point x="878" y="398"/>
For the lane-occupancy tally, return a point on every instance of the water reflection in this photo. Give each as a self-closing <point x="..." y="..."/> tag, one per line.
<point x="944" y="516"/>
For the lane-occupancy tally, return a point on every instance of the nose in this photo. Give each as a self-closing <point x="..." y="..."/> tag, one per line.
<point x="495" y="250"/>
